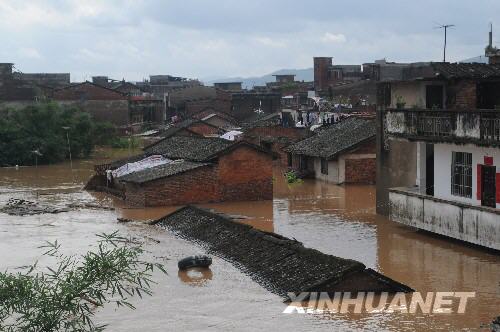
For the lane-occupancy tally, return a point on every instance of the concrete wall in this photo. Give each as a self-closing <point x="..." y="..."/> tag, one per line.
<point x="334" y="171"/>
<point x="468" y="223"/>
<point x="442" y="170"/>
<point x="396" y="164"/>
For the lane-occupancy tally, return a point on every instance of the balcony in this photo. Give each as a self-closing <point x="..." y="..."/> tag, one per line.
<point x="481" y="127"/>
<point x="474" y="224"/>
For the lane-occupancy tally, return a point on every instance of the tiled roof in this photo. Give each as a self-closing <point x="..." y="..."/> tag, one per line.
<point x="161" y="171"/>
<point x="280" y="264"/>
<point x="188" y="147"/>
<point x="334" y="139"/>
<point x="448" y="70"/>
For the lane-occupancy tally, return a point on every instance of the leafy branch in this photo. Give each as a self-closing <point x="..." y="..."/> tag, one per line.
<point x="64" y="298"/>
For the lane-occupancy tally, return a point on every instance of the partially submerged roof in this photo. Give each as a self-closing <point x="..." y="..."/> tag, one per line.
<point x="162" y="171"/>
<point x="188" y="147"/>
<point x="280" y="264"/>
<point x="335" y="139"/>
<point x="448" y="71"/>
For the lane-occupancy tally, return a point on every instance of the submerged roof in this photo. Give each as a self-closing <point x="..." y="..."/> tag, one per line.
<point x="161" y="171"/>
<point x="279" y="263"/>
<point x="189" y="147"/>
<point x="336" y="138"/>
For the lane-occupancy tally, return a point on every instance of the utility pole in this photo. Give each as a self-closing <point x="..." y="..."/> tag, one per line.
<point x="445" y="27"/>
<point x="69" y="147"/>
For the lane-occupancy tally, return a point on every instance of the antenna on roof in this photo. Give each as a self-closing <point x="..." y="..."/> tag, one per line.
<point x="445" y="27"/>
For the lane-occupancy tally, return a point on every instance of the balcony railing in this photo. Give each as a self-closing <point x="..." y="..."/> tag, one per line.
<point x="478" y="126"/>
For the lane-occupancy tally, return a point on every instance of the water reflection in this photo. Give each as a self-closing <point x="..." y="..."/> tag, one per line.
<point x="196" y="276"/>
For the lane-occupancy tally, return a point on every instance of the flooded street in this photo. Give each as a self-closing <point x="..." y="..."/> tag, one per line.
<point x="338" y="220"/>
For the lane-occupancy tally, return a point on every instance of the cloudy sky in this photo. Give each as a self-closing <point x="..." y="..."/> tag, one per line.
<point x="216" y="38"/>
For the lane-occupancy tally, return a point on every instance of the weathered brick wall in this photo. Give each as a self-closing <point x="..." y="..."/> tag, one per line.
<point x="195" y="106"/>
<point x="368" y="147"/>
<point x="463" y="94"/>
<point x="87" y="91"/>
<point x="196" y="186"/>
<point x="114" y="111"/>
<point x="245" y="174"/>
<point x="204" y="129"/>
<point x="360" y="170"/>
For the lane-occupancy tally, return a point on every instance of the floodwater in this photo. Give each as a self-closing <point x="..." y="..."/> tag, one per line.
<point x="338" y="220"/>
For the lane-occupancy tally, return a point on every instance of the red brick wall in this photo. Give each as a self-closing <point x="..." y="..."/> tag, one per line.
<point x="360" y="170"/>
<point x="245" y="174"/>
<point x="196" y="106"/>
<point x="196" y="186"/>
<point x="242" y="175"/>
<point x="464" y="95"/>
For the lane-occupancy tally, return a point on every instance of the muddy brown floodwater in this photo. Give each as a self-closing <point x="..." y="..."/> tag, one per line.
<point x="338" y="220"/>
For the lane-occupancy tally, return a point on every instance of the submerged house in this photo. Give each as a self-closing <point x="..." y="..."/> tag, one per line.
<point x="343" y="152"/>
<point x="193" y="169"/>
<point x="438" y="151"/>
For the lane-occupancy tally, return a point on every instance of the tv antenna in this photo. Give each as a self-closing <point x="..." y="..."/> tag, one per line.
<point x="445" y="28"/>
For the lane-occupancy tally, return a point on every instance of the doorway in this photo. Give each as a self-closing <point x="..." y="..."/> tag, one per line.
<point x="429" y="169"/>
<point x="488" y="186"/>
<point x="434" y="96"/>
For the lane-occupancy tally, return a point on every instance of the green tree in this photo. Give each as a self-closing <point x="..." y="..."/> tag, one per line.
<point x="41" y="128"/>
<point x="64" y="298"/>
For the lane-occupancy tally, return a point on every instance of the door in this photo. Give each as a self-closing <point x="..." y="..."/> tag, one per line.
<point x="429" y="169"/>
<point x="488" y="186"/>
<point x="434" y="96"/>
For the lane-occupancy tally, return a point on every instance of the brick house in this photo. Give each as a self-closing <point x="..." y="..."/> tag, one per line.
<point x="193" y="127"/>
<point x="104" y="104"/>
<point x="269" y="133"/>
<point x="339" y="153"/>
<point x="203" y="170"/>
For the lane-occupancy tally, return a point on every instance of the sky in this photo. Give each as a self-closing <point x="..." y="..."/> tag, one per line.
<point x="208" y="39"/>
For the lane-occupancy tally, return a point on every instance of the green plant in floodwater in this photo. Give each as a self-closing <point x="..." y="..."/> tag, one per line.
<point x="64" y="298"/>
<point x="291" y="177"/>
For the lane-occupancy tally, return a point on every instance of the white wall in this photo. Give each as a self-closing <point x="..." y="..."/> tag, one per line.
<point x="333" y="171"/>
<point x="442" y="169"/>
<point x="472" y="224"/>
<point x="413" y="93"/>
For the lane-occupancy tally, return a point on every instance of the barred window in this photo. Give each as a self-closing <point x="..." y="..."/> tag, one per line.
<point x="324" y="166"/>
<point x="461" y="174"/>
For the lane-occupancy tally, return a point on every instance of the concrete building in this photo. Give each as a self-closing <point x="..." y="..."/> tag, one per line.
<point x="492" y="52"/>
<point x="439" y="133"/>
<point x="339" y="153"/>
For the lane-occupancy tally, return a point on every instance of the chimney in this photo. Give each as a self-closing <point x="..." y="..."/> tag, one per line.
<point x="490" y="44"/>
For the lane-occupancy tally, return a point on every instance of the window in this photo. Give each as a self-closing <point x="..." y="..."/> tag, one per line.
<point x="324" y="166"/>
<point x="461" y="174"/>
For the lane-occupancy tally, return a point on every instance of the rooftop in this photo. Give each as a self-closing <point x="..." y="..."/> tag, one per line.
<point x="189" y="148"/>
<point x="161" y="171"/>
<point x="446" y="70"/>
<point x="280" y="264"/>
<point x="334" y="139"/>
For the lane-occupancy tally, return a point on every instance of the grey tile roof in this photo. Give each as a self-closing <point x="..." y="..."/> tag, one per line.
<point x="279" y="263"/>
<point x="334" y="139"/>
<point x="189" y="148"/>
<point x="174" y="128"/>
<point x="161" y="171"/>
<point x="448" y="70"/>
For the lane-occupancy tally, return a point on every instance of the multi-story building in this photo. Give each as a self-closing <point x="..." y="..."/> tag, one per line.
<point x="438" y="150"/>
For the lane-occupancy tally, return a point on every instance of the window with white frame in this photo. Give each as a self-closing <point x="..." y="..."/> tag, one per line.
<point x="461" y="174"/>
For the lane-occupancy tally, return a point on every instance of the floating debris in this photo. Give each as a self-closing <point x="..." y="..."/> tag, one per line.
<point x="90" y="206"/>
<point x="21" y="207"/>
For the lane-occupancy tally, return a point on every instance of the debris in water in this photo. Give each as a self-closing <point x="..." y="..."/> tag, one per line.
<point x="21" y="207"/>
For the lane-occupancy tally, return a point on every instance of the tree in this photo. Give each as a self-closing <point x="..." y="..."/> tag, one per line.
<point x="65" y="298"/>
<point x="41" y="127"/>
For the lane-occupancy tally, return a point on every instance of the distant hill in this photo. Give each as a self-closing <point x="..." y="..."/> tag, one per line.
<point x="248" y="82"/>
